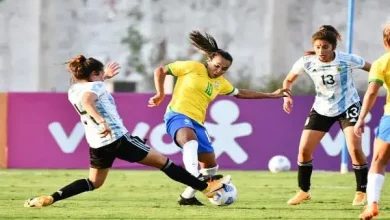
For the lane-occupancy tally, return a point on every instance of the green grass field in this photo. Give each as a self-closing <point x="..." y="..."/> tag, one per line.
<point x="131" y="194"/>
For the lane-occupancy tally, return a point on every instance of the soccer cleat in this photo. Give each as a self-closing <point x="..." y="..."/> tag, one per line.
<point x="299" y="197"/>
<point x="360" y="199"/>
<point x="215" y="185"/>
<point x="191" y="201"/>
<point x="40" y="201"/>
<point x="370" y="212"/>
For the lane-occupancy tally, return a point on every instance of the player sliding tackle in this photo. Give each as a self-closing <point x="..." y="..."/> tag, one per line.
<point x="108" y="137"/>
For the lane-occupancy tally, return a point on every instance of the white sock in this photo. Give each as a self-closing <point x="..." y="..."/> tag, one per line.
<point x="209" y="171"/>
<point x="188" y="193"/>
<point x="190" y="157"/>
<point x="374" y="187"/>
<point x="190" y="160"/>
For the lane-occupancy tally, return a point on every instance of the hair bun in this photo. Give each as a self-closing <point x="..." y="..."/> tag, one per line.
<point x="80" y="59"/>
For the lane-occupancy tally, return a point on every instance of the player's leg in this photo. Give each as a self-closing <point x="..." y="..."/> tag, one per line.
<point x="186" y="138"/>
<point x="101" y="159"/>
<point x="182" y="131"/>
<point x="206" y="156"/>
<point x="315" y="128"/>
<point x="376" y="175"/>
<point x="208" y="164"/>
<point x="133" y="149"/>
<point x="354" y="143"/>
<point x="359" y="165"/>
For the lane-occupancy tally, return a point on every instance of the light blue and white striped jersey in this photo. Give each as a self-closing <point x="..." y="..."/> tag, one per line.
<point x="105" y="104"/>
<point x="333" y="81"/>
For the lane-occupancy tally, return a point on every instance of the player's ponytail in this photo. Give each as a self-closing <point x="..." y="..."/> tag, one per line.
<point x="82" y="68"/>
<point x="386" y="33"/>
<point x="208" y="45"/>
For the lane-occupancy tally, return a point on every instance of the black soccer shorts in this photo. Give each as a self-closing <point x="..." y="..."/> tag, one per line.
<point x="129" y="148"/>
<point x="318" y="122"/>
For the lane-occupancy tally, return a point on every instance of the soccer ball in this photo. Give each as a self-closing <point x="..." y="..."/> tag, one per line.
<point x="225" y="196"/>
<point x="279" y="163"/>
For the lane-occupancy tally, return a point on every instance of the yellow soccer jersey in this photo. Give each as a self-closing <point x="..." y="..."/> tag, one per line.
<point x="380" y="72"/>
<point x="194" y="89"/>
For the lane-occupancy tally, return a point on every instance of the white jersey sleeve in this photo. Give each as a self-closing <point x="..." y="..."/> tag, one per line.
<point x="105" y="105"/>
<point x="298" y="67"/>
<point x="97" y="87"/>
<point x="355" y="61"/>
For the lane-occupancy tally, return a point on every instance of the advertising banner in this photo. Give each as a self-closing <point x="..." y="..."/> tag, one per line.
<point x="44" y="131"/>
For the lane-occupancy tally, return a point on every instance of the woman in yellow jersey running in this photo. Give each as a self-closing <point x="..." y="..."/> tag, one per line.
<point x="379" y="75"/>
<point x="197" y="86"/>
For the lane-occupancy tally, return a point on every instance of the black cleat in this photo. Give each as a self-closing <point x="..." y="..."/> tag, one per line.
<point x="191" y="201"/>
<point x="210" y="178"/>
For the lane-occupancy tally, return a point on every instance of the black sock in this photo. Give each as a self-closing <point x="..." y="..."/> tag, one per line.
<point x="361" y="172"/>
<point x="304" y="175"/>
<point x="77" y="187"/>
<point x="179" y="174"/>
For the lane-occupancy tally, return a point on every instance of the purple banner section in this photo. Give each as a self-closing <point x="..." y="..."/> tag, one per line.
<point x="44" y="131"/>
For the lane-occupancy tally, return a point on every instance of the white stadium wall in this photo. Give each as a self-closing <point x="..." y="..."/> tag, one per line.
<point x="264" y="36"/>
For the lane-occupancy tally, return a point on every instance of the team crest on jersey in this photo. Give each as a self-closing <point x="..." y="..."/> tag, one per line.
<point x="341" y="69"/>
<point x="216" y="84"/>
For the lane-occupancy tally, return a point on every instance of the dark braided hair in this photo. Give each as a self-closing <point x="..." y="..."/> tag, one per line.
<point x="208" y="45"/>
<point x="327" y="33"/>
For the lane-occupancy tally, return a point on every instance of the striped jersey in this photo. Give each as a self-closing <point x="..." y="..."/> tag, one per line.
<point x="334" y="84"/>
<point x="105" y="105"/>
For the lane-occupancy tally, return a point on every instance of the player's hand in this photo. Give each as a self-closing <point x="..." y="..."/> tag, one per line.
<point x="358" y="129"/>
<point x="287" y="104"/>
<point x="281" y="93"/>
<point x="156" y="100"/>
<point x="111" y="69"/>
<point x="104" y="129"/>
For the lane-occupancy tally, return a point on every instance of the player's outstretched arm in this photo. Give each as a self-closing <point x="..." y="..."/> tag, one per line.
<point x="287" y="84"/>
<point x="250" y="94"/>
<point x="159" y="77"/>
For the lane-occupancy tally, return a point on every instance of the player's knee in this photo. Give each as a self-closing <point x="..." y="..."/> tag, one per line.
<point x="97" y="183"/>
<point x="356" y="152"/>
<point x="380" y="160"/>
<point x="304" y="154"/>
<point x="185" y="135"/>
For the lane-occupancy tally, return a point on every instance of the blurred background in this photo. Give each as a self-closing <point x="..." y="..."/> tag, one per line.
<point x="265" y="38"/>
